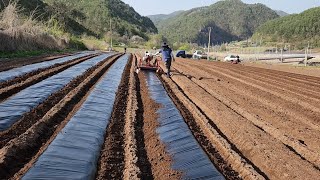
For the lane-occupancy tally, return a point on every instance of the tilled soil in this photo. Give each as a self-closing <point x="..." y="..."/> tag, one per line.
<point x="13" y="86"/>
<point x="261" y="112"/>
<point x="29" y="134"/>
<point x="209" y="148"/>
<point x="311" y="71"/>
<point x="144" y="157"/>
<point x="112" y="159"/>
<point x="137" y="163"/>
<point x="253" y="123"/>
<point x="158" y="157"/>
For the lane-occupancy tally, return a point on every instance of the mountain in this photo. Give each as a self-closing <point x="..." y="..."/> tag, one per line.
<point x="95" y="15"/>
<point x="229" y="19"/>
<point x="297" y="28"/>
<point x="90" y="17"/>
<point x="156" y="19"/>
<point x="281" y="13"/>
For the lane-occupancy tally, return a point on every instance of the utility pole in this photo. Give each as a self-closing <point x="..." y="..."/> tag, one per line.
<point x="209" y="43"/>
<point x="111" y="33"/>
<point x="307" y="54"/>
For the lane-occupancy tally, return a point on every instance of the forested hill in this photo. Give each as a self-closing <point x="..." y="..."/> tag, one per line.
<point x="281" y="13"/>
<point x="157" y="18"/>
<point x="230" y="20"/>
<point x="297" y="28"/>
<point x="90" y="16"/>
<point x="95" y="15"/>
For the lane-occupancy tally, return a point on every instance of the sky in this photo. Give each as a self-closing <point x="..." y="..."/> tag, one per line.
<point x="151" y="7"/>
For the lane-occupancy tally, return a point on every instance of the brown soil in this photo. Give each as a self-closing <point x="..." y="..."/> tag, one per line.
<point x="256" y="113"/>
<point x="253" y="123"/>
<point x="252" y="106"/>
<point x="132" y="149"/>
<point x="137" y="165"/>
<point x="203" y="140"/>
<point x="310" y="71"/>
<point x="7" y="64"/>
<point x="15" y="85"/>
<point x="74" y="100"/>
<point x="158" y="157"/>
<point x="22" y="149"/>
<point x="112" y="159"/>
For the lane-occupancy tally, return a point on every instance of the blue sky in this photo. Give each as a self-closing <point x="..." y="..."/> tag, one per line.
<point x="150" y="7"/>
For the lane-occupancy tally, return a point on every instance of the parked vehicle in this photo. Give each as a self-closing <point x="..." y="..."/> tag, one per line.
<point x="231" y="58"/>
<point x="199" y="55"/>
<point x="183" y="54"/>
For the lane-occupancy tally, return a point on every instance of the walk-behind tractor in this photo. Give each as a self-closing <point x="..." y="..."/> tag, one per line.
<point x="149" y="63"/>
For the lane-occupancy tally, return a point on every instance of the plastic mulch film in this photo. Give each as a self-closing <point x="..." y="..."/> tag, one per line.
<point x="75" y="151"/>
<point x="186" y="153"/>
<point x="12" y="73"/>
<point x="13" y="108"/>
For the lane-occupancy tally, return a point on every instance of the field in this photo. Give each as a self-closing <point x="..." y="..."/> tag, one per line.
<point x="91" y="116"/>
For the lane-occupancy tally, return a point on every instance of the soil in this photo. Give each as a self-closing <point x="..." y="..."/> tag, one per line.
<point x="310" y="71"/>
<point x="160" y="160"/>
<point x="7" y="64"/>
<point x="65" y="110"/>
<point x="149" y="160"/>
<point x="209" y="148"/>
<point x="137" y="163"/>
<point x="272" y="143"/>
<point x="24" y="142"/>
<point x="15" y="85"/>
<point x="112" y="159"/>
<point x="253" y="122"/>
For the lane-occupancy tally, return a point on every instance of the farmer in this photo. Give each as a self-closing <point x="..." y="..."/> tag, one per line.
<point x="167" y="56"/>
<point x="147" y="58"/>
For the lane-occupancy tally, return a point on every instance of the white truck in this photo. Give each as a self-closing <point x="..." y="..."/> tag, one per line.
<point x="199" y="55"/>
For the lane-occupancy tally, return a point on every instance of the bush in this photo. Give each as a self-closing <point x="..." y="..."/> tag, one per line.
<point x="19" y="33"/>
<point x="185" y="47"/>
<point x="76" y="43"/>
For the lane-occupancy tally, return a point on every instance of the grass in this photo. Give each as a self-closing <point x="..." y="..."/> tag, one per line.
<point x="24" y="36"/>
<point x="95" y="44"/>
